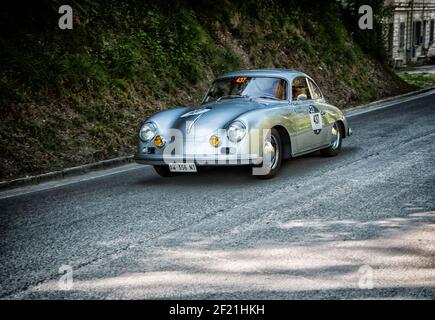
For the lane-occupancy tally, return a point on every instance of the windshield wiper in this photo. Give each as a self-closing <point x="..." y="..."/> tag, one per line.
<point x="268" y="97"/>
<point x="232" y="96"/>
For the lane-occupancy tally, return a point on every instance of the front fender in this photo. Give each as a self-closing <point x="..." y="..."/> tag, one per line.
<point x="265" y="119"/>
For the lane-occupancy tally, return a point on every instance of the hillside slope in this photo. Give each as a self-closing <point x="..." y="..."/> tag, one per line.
<point x="69" y="97"/>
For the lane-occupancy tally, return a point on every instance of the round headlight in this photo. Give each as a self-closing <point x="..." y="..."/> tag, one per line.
<point x="147" y="132"/>
<point x="236" y="131"/>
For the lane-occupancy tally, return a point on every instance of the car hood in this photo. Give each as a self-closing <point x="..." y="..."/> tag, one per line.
<point x="212" y="116"/>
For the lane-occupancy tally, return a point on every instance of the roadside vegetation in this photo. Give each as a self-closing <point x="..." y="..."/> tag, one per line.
<point x="419" y="80"/>
<point x="69" y="97"/>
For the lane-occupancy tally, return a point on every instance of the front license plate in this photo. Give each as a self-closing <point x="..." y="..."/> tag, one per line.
<point x="182" y="167"/>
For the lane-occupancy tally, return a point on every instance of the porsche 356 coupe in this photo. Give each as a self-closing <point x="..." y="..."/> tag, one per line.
<point x="254" y="117"/>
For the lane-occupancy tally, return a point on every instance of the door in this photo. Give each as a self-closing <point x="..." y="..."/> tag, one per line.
<point x="324" y="126"/>
<point x="308" y="116"/>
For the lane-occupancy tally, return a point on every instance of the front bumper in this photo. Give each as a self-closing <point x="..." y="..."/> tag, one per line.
<point x="200" y="160"/>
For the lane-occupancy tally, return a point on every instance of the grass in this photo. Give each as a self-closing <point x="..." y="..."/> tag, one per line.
<point x="420" y="80"/>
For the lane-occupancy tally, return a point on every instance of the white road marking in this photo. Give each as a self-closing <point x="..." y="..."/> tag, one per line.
<point x="67" y="181"/>
<point x="129" y="167"/>
<point x="358" y="112"/>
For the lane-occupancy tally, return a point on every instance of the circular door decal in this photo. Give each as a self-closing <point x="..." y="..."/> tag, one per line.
<point x="316" y="119"/>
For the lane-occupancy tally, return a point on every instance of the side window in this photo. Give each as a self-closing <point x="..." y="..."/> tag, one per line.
<point x="317" y="94"/>
<point x="300" y="86"/>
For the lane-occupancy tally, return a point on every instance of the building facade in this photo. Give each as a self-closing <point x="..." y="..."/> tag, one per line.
<point x="410" y="31"/>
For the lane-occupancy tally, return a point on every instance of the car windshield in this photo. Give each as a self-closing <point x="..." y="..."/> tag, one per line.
<point x="250" y="87"/>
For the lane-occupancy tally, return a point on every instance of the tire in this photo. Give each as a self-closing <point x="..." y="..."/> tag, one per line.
<point x="336" y="141"/>
<point x="277" y="161"/>
<point x="164" y="171"/>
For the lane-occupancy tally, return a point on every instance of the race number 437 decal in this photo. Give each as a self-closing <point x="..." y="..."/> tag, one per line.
<point x="316" y="119"/>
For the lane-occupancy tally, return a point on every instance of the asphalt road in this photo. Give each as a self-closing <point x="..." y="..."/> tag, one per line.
<point x="360" y="225"/>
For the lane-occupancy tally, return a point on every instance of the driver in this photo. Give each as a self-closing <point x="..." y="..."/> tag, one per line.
<point x="298" y="89"/>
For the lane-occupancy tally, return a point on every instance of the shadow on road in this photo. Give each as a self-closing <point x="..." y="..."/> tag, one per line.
<point x="197" y="265"/>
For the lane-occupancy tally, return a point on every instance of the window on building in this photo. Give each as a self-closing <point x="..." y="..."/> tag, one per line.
<point x="431" y="31"/>
<point x="423" y="36"/>
<point x="417" y="33"/>
<point x="390" y="37"/>
<point x="402" y="35"/>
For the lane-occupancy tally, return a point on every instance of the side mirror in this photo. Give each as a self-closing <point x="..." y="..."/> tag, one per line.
<point x="302" y="97"/>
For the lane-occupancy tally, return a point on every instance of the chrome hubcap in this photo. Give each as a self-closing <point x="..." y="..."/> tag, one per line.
<point x="335" y="137"/>
<point x="271" y="147"/>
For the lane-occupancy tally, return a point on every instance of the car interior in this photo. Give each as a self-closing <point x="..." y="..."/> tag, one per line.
<point x="300" y="86"/>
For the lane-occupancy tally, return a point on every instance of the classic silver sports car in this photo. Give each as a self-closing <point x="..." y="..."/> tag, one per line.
<point x="253" y="117"/>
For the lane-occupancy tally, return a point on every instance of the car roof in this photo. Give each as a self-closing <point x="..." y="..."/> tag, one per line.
<point x="280" y="73"/>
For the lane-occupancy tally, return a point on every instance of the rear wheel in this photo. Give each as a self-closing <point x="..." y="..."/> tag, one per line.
<point x="164" y="171"/>
<point x="336" y="140"/>
<point x="273" y="145"/>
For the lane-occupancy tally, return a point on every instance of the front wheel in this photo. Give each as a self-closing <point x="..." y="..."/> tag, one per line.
<point x="272" y="147"/>
<point x="336" y="140"/>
